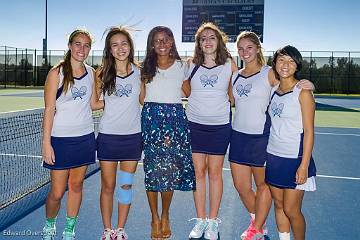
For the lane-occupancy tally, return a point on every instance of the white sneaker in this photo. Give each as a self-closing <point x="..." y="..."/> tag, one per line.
<point x="199" y="228"/>
<point x="49" y="233"/>
<point x="108" y="234"/>
<point x="212" y="229"/>
<point x="120" y="234"/>
<point x="68" y="236"/>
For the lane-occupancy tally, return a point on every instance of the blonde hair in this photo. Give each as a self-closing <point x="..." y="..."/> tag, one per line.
<point x="254" y="39"/>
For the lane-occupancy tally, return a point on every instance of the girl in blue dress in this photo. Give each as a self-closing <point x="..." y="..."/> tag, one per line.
<point x="168" y="164"/>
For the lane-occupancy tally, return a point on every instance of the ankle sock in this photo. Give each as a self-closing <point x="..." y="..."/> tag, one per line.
<point x="284" y="235"/>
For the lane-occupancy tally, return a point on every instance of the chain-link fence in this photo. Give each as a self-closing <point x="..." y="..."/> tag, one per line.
<point x="331" y="71"/>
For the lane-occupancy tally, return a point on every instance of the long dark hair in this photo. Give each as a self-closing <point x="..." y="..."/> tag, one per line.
<point x="149" y="65"/>
<point x="222" y="53"/>
<point x="65" y="64"/>
<point x="108" y="69"/>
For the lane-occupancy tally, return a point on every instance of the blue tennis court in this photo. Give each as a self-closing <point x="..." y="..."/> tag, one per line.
<point x="332" y="212"/>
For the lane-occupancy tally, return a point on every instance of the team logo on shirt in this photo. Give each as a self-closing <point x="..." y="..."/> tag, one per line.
<point x="277" y="109"/>
<point x="243" y="90"/>
<point x="208" y="81"/>
<point x="123" y="91"/>
<point x="78" y="93"/>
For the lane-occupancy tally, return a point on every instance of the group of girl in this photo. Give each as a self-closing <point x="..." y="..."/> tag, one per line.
<point x="180" y="147"/>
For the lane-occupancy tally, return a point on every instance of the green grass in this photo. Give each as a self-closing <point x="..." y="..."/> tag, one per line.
<point x="4" y="91"/>
<point x="337" y="119"/>
<point x="20" y="103"/>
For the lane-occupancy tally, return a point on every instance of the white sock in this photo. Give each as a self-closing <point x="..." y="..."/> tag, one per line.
<point x="252" y="215"/>
<point x="284" y="235"/>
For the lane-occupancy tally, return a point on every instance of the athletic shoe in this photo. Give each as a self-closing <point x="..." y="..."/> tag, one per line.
<point x="254" y="234"/>
<point x="212" y="229"/>
<point x="49" y="233"/>
<point x="243" y="235"/>
<point x="199" y="228"/>
<point x="265" y="229"/>
<point x="68" y="236"/>
<point x="120" y="234"/>
<point x="108" y="234"/>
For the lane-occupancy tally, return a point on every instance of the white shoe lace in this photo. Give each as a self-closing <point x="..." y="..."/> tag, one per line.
<point x="212" y="228"/>
<point x="49" y="233"/>
<point x="106" y="234"/>
<point x="199" y="227"/>
<point x="121" y="234"/>
<point x="68" y="236"/>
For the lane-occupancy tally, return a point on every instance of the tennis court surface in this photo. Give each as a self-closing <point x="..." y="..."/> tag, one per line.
<point x="332" y="212"/>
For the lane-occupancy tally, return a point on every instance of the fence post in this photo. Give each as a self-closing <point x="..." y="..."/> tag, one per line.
<point x="26" y="68"/>
<point x="16" y="62"/>
<point x="332" y="72"/>
<point x="35" y="70"/>
<point x="5" y="68"/>
<point x="348" y="78"/>
<point x="311" y="66"/>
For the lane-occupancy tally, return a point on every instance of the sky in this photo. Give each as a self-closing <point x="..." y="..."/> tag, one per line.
<point x="309" y="25"/>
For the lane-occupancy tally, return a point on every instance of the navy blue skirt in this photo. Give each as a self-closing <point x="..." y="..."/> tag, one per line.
<point x="210" y="139"/>
<point x="119" y="147"/>
<point x="72" y="152"/>
<point x="248" y="149"/>
<point x="281" y="172"/>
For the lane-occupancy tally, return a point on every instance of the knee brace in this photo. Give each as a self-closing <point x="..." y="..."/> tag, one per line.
<point x="124" y="195"/>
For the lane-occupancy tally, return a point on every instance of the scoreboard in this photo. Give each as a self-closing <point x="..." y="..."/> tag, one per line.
<point x="232" y="17"/>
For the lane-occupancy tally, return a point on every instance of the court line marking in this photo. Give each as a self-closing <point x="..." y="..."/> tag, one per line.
<point x="19" y="155"/>
<point x="322" y="176"/>
<point x="140" y="163"/>
<point x="338" y="134"/>
<point x="23" y="110"/>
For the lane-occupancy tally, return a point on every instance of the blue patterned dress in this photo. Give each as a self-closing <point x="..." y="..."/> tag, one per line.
<point x="168" y="162"/>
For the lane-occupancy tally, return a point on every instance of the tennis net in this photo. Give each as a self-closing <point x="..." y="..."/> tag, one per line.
<point x="24" y="182"/>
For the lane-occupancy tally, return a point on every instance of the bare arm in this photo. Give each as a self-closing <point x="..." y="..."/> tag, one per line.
<point x="234" y="70"/>
<point x="186" y="85"/>
<point x="272" y="79"/>
<point x="186" y="88"/>
<point x="307" y="103"/>
<point x="50" y="90"/>
<point x="95" y="101"/>
<point x="142" y="93"/>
